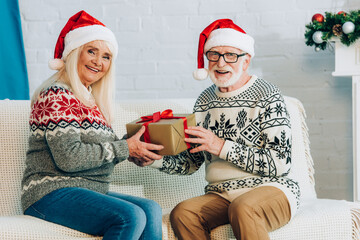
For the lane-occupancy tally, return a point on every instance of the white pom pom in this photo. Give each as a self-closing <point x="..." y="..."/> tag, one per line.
<point x="56" y="64"/>
<point x="200" y="74"/>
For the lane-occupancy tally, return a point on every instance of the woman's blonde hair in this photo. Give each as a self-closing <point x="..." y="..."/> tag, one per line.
<point x="102" y="90"/>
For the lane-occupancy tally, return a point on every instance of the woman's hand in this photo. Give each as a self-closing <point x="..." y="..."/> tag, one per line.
<point x="208" y="140"/>
<point x="140" y="162"/>
<point x="142" y="151"/>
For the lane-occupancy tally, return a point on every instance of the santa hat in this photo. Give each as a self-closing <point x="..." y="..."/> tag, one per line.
<point x="80" y="29"/>
<point x="222" y="32"/>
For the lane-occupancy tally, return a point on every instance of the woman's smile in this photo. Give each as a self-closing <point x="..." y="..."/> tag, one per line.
<point x="92" y="69"/>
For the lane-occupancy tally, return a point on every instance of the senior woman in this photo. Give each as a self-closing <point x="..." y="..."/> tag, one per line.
<point x="72" y="147"/>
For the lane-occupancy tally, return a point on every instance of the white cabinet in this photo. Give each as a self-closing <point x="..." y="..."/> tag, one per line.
<point x="347" y="59"/>
<point x="347" y="63"/>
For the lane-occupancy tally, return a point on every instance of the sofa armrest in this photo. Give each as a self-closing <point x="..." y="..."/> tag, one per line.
<point x="355" y="220"/>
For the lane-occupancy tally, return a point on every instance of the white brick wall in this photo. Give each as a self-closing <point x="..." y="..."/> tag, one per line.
<point x="158" y="45"/>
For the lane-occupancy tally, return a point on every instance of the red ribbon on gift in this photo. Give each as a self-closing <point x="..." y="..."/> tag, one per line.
<point x="167" y="114"/>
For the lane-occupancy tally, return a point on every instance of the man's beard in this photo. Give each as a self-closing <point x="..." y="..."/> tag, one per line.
<point x="231" y="81"/>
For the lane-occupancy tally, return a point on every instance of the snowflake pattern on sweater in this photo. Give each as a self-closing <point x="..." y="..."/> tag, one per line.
<point x="255" y="125"/>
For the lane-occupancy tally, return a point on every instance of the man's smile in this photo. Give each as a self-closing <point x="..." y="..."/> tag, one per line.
<point x="222" y="71"/>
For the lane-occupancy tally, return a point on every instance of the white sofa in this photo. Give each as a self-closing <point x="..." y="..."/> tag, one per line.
<point x="317" y="219"/>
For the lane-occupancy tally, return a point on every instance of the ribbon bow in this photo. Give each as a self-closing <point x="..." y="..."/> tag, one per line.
<point x="167" y="114"/>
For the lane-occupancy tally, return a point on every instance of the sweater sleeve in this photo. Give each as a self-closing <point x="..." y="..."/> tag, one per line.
<point x="74" y="145"/>
<point x="271" y="153"/>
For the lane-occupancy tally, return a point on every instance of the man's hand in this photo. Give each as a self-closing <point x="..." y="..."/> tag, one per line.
<point x="208" y="140"/>
<point x="142" y="151"/>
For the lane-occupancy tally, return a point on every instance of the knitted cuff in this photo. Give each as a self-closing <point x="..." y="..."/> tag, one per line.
<point x="121" y="150"/>
<point x="157" y="163"/>
<point x="225" y="149"/>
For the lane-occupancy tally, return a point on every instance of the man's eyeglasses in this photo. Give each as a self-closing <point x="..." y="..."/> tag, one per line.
<point x="228" y="57"/>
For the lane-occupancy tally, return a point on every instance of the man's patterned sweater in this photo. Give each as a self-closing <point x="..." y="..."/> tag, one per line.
<point x="70" y="145"/>
<point x="255" y="124"/>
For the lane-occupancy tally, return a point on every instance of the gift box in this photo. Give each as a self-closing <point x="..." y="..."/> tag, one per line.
<point x="165" y="129"/>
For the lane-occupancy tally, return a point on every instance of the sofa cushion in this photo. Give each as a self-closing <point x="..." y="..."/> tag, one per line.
<point x="27" y="227"/>
<point x="320" y="219"/>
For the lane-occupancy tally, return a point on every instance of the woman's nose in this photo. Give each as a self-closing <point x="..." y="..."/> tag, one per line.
<point x="96" y="61"/>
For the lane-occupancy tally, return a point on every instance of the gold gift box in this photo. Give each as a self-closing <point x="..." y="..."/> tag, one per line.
<point x="167" y="132"/>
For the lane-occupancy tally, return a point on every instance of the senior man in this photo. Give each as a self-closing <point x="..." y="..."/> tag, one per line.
<point x="243" y="135"/>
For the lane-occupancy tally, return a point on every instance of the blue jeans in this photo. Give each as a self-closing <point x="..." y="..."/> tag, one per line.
<point x="112" y="215"/>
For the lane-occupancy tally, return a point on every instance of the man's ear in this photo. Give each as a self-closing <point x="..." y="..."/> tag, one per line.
<point x="246" y="62"/>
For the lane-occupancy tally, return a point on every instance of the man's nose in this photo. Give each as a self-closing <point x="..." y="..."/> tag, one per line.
<point x="221" y="62"/>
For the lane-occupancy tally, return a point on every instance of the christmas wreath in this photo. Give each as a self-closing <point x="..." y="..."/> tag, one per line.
<point x="345" y="26"/>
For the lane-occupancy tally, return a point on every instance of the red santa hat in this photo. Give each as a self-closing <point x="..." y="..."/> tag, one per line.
<point x="222" y="32"/>
<point x="80" y="29"/>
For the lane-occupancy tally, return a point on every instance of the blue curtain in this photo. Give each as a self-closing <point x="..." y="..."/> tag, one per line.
<point x="13" y="73"/>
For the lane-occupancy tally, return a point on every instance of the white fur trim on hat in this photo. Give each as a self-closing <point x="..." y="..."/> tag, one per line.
<point x="56" y="63"/>
<point x="83" y="35"/>
<point x="200" y="74"/>
<point x="232" y="38"/>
